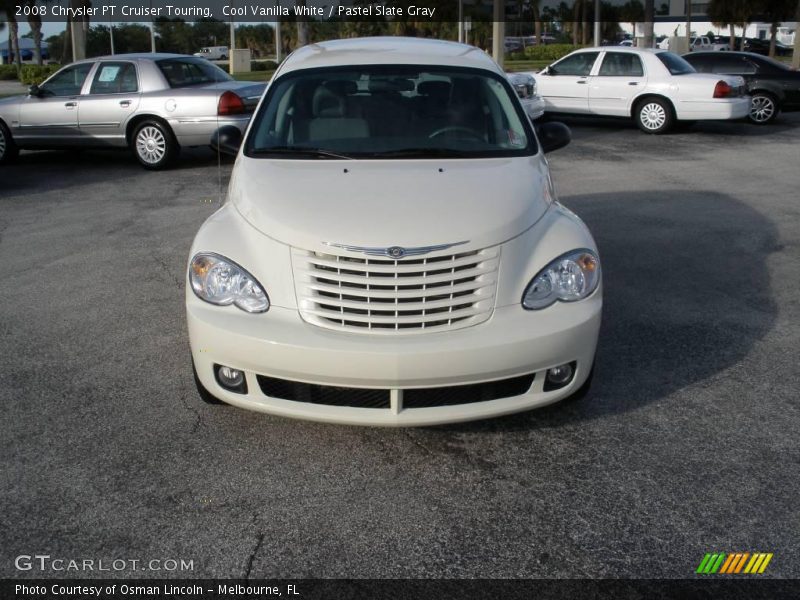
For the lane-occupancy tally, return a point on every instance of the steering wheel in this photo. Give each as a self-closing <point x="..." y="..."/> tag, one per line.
<point x="456" y="129"/>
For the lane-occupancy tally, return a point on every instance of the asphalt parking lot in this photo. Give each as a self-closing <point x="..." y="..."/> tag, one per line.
<point x="687" y="443"/>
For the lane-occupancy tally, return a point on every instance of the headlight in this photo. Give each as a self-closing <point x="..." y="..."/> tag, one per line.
<point x="218" y="280"/>
<point x="570" y="277"/>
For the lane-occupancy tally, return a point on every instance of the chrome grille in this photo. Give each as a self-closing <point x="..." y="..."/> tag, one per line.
<point x="382" y="295"/>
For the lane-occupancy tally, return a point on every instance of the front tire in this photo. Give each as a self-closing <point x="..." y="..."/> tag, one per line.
<point x="8" y="149"/>
<point x="154" y="145"/>
<point x="653" y="115"/>
<point x="763" y="108"/>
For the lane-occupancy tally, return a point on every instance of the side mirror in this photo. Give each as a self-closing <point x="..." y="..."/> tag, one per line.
<point x="553" y="136"/>
<point x="227" y="140"/>
<point x="545" y="71"/>
<point x="34" y="91"/>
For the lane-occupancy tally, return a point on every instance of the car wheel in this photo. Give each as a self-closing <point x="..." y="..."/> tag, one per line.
<point x="653" y="116"/>
<point x="8" y="149"/>
<point x="224" y="57"/>
<point x="154" y="145"/>
<point x="763" y="108"/>
<point x="204" y="394"/>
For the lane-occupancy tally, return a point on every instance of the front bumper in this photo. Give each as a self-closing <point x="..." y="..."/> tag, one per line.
<point x="279" y="344"/>
<point x="534" y="107"/>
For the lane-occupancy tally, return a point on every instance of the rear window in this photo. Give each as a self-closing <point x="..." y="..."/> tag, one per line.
<point x="675" y="64"/>
<point x="185" y="72"/>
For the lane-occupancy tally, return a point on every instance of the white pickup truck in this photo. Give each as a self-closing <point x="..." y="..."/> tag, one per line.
<point x="703" y="42"/>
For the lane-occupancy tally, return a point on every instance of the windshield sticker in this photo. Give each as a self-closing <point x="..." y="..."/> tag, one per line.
<point x="108" y="74"/>
<point x="515" y="139"/>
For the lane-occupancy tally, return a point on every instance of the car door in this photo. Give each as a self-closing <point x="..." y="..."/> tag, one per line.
<point x="618" y="81"/>
<point x="50" y="118"/>
<point x="113" y="97"/>
<point x="565" y="85"/>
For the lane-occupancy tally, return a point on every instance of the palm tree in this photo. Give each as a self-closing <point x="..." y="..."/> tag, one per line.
<point x="776" y="11"/>
<point x="732" y="12"/>
<point x="649" y="13"/>
<point x="10" y="8"/>
<point x="796" y="53"/>
<point x="632" y="12"/>
<point x="302" y="27"/>
<point x="35" y="23"/>
<point x="585" y="22"/>
<point x="537" y="20"/>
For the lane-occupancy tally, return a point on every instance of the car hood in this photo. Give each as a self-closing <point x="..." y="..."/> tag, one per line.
<point x="11" y="100"/>
<point x="380" y="203"/>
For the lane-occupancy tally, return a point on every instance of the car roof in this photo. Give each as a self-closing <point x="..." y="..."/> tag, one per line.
<point x="137" y="56"/>
<point x="629" y="49"/>
<point x="723" y="54"/>
<point x="389" y="51"/>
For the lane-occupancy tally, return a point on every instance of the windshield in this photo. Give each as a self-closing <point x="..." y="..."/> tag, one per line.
<point x="383" y="111"/>
<point x="184" y="72"/>
<point x="675" y="64"/>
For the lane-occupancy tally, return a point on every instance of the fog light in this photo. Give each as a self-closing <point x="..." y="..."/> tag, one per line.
<point x="231" y="379"/>
<point x="559" y="376"/>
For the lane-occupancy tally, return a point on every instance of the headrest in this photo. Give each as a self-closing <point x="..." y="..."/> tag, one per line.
<point x="390" y="85"/>
<point x="326" y="103"/>
<point x="342" y="87"/>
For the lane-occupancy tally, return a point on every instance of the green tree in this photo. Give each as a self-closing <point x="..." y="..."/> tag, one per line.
<point x="9" y="7"/>
<point x="731" y="13"/>
<point x="35" y="23"/>
<point x="632" y="12"/>
<point x="649" y="14"/>
<point x="796" y="53"/>
<point x="775" y="11"/>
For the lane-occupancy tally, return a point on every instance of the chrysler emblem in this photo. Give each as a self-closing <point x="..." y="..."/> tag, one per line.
<point x="395" y="252"/>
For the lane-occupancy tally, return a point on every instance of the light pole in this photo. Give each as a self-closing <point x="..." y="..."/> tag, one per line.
<point x="152" y="30"/>
<point x="278" y="48"/>
<point x="499" y="32"/>
<point x="232" y="45"/>
<point x="597" y="41"/>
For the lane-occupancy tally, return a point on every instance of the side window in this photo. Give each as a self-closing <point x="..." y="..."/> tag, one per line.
<point x="621" y="64"/>
<point x="701" y="63"/>
<point x="732" y="65"/>
<point x="114" y="78"/>
<point x="67" y="82"/>
<point x="579" y="64"/>
<point x="747" y="67"/>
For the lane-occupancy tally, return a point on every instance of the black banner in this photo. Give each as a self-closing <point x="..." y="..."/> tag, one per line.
<point x="732" y="588"/>
<point x="259" y="11"/>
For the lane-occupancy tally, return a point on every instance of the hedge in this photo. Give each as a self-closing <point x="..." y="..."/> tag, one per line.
<point x="36" y="74"/>
<point x="263" y="65"/>
<point x="549" y="52"/>
<point x="8" y="72"/>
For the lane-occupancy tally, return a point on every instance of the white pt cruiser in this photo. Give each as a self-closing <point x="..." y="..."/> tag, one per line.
<point x="391" y="251"/>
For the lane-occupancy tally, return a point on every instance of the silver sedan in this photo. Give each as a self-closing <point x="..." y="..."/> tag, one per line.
<point x="154" y="104"/>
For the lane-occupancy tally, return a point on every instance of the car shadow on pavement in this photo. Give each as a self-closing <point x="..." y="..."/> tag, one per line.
<point x="70" y="168"/>
<point x="585" y="126"/>
<point x="685" y="298"/>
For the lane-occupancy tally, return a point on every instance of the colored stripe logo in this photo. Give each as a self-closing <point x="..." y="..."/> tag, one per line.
<point x="734" y="563"/>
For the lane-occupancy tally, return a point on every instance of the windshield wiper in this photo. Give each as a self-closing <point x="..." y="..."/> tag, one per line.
<point x="422" y="153"/>
<point x="301" y="150"/>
